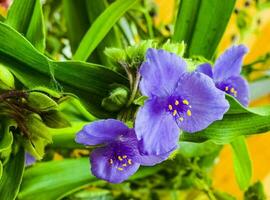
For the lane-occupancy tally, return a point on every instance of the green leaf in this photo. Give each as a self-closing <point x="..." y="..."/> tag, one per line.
<point x="236" y="122"/>
<point x="27" y="18"/>
<point x="112" y="38"/>
<point x="101" y="27"/>
<point x="90" y="82"/>
<point x="191" y="149"/>
<point x="77" y="21"/>
<point x="1" y="169"/>
<point x="12" y="176"/>
<point x="6" y="137"/>
<point x="199" y="19"/>
<point x="241" y="162"/>
<point x="41" y="102"/>
<point x="255" y="192"/>
<point x="56" y="179"/>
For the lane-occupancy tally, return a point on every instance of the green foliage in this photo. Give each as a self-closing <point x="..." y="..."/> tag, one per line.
<point x="6" y="79"/>
<point x="193" y="18"/>
<point x="101" y="27"/>
<point x="12" y="176"/>
<point x="60" y="97"/>
<point x="27" y="18"/>
<point x="93" y="80"/>
<point x="255" y="192"/>
<point x="241" y="162"/>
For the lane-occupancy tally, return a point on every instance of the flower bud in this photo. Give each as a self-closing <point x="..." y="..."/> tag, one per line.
<point x="116" y="100"/>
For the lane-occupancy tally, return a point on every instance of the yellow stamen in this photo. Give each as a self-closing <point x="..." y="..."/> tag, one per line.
<point x="170" y="107"/>
<point x="124" y="165"/>
<point x="124" y="156"/>
<point x="111" y="161"/>
<point x="232" y="90"/>
<point x="174" y="112"/>
<point x="181" y="119"/>
<point x="120" y="168"/>
<point x="119" y="158"/>
<point x="185" y="102"/>
<point x="189" y="113"/>
<point x="226" y="88"/>
<point x="129" y="161"/>
<point x="176" y="102"/>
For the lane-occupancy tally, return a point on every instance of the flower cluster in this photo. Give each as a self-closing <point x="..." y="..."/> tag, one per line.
<point x="177" y="100"/>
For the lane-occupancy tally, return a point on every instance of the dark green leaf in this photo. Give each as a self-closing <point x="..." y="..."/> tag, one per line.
<point x="101" y="27"/>
<point x="77" y="21"/>
<point x="88" y="81"/>
<point x="201" y="25"/>
<point x="241" y="162"/>
<point x="255" y="192"/>
<point x="12" y="176"/>
<point x="26" y="17"/>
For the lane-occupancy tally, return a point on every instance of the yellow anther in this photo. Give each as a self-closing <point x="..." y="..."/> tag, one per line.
<point x="226" y="88"/>
<point x="181" y="119"/>
<point x="124" y="156"/>
<point x="111" y="161"/>
<point x="176" y="102"/>
<point x="189" y="113"/>
<point x="129" y="161"/>
<point x="232" y="90"/>
<point x="170" y="107"/>
<point x="185" y="102"/>
<point x="124" y="165"/>
<point x="235" y="93"/>
<point x="119" y="158"/>
<point x="120" y="168"/>
<point x="174" y="112"/>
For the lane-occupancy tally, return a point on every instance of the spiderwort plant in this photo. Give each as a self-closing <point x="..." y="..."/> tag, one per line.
<point x="226" y="73"/>
<point x="177" y="100"/>
<point x="119" y="155"/>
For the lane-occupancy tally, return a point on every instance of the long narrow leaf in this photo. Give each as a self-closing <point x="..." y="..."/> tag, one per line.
<point x="12" y="176"/>
<point x="241" y="162"/>
<point x="27" y="18"/>
<point x="101" y="27"/>
<point x="88" y="81"/>
<point x="56" y="179"/>
<point x="201" y="25"/>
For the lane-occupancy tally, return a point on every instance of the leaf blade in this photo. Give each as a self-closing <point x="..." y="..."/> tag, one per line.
<point x="101" y="27"/>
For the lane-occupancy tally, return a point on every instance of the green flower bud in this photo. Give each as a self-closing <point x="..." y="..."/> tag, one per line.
<point x="176" y="48"/>
<point x="39" y="136"/>
<point x="115" y="54"/>
<point x="116" y="100"/>
<point x="6" y="79"/>
<point x="41" y="102"/>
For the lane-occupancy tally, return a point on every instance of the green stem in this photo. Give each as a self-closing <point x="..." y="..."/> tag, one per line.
<point x="134" y="90"/>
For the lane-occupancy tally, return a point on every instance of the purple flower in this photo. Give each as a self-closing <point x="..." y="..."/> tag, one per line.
<point x="29" y="159"/>
<point x="177" y="100"/>
<point x="119" y="155"/>
<point x="226" y="73"/>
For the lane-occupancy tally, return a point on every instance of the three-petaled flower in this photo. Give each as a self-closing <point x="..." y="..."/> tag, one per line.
<point x="226" y="73"/>
<point x="119" y="155"/>
<point x="177" y="100"/>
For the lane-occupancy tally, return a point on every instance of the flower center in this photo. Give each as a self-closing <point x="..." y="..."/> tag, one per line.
<point x="229" y="89"/>
<point x="120" y="161"/>
<point x="179" y="108"/>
